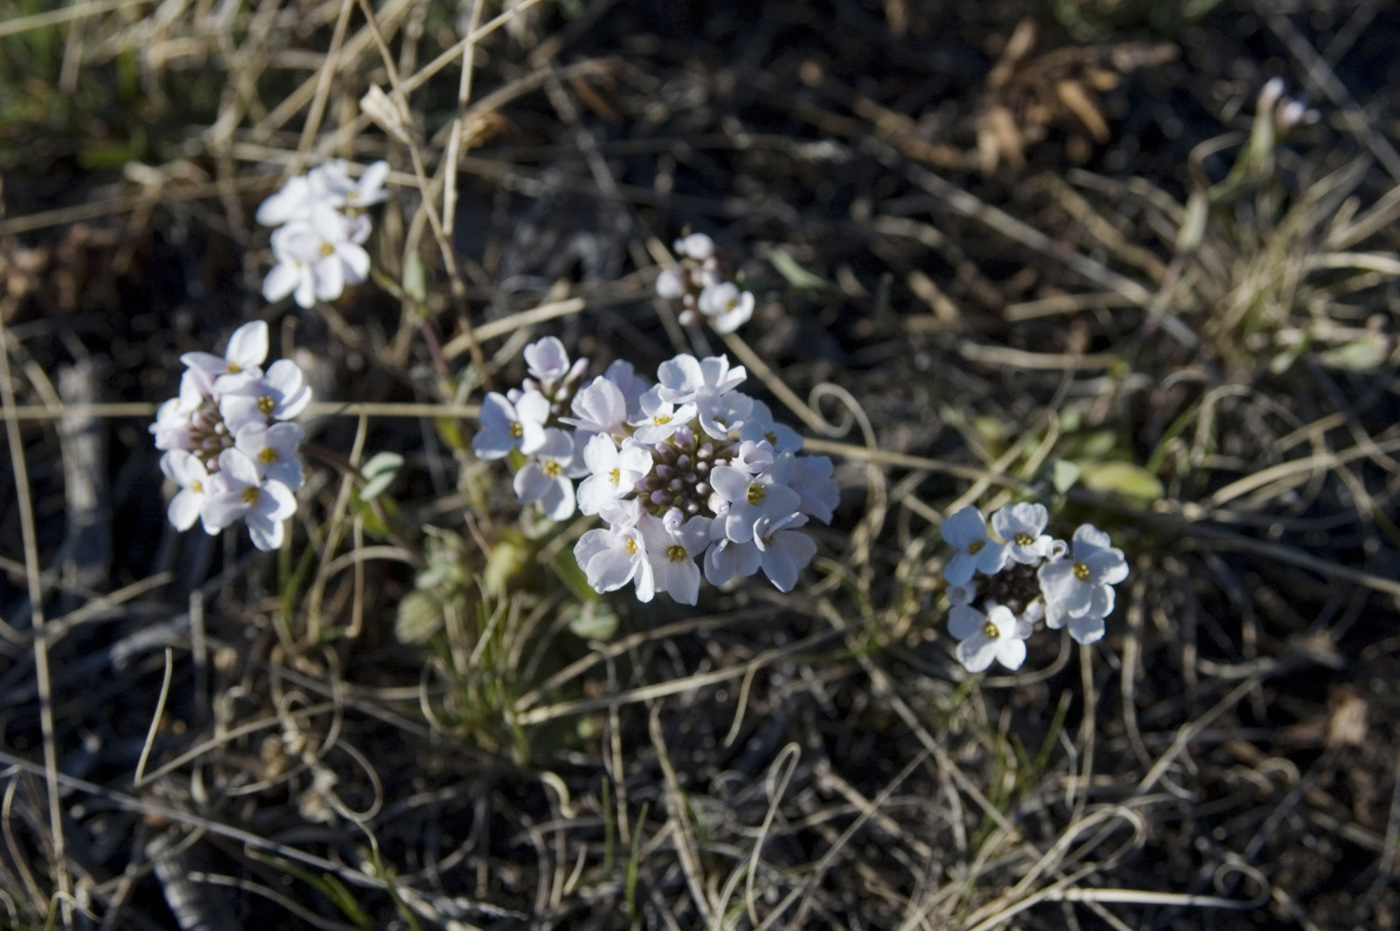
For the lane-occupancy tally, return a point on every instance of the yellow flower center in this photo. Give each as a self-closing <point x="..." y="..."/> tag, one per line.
<point x="756" y="494"/>
<point x="197" y="487"/>
<point x="771" y="437"/>
<point x="327" y="249"/>
<point x="1081" y="572"/>
<point x="266" y="405"/>
<point x="517" y="429"/>
<point x="1024" y="539"/>
<point x="630" y="547"/>
<point x="676" y="553"/>
<point x="251" y="495"/>
<point x="615" y="476"/>
<point x="991" y="630"/>
<point x="975" y="547"/>
<point x="664" y="419"/>
<point x="731" y="303"/>
<point x="268" y="455"/>
<point x="551" y="468"/>
<point x="234" y="368"/>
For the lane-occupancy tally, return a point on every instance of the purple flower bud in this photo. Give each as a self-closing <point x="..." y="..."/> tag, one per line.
<point x="665" y="472"/>
<point x="675" y="485"/>
<point x="660" y="497"/>
<point x="702" y="489"/>
<point x="684" y="437"/>
<point x="683" y="461"/>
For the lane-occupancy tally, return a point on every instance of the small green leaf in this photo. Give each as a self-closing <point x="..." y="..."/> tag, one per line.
<point x="419" y="617"/>
<point x="506" y="560"/>
<point x="593" y="620"/>
<point x="381" y="462"/>
<point x="1362" y="355"/>
<point x="1124" y="478"/>
<point x="567" y="568"/>
<point x="415" y="278"/>
<point x="1193" y="226"/>
<point x="796" y="275"/>
<point x="1063" y="475"/>
<point x="374" y="486"/>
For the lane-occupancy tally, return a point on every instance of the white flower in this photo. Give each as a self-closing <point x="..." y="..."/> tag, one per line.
<point x="545" y="478"/>
<point x="614" y="472"/>
<point x="273" y="449"/>
<point x="293" y="201"/>
<point x="966" y="532"/>
<point x="684" y="377"/>
<point x="280" y="394"/>
<point x="196" y="484"/>
<point x="316" y="258"/>
<point x="670" y="284"/>
<point x="752" y="497"/>
<point x="660" y="419"/>
<point x="263" y="504"/>
<point x="784" y="552"/>
<point x="547" y="360"/>
<point x="726" y="559"/>
<point x="172" y="426"/>
<point x="242" y="361"/>
<point x="673" y="546"/>
<point x="1075" y="585"/>
<point x="340" y="190"/>
<point x="1088" y="627"/>
<point x="727" y="307"/>
<point x="611" y="558"/>
<point x="695" y="246"/>
<point x="1022" y="527"/>
<point x="599" y="407"/>
<point x="997" y="635"/>
<point x="506" y="426"/>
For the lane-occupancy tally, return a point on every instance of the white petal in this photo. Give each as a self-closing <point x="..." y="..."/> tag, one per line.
<point x="248" y="344"/>
<point x="964" y="527"/>
<point x="184" y="509"/>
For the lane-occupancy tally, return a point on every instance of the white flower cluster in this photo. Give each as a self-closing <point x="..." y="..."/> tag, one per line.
<point x="228" y="444"/>
<point x="1026" y="576"/>
<point x="686" y="469"/>
<point x="703" y="292"/>
<point x="320" y="231"/>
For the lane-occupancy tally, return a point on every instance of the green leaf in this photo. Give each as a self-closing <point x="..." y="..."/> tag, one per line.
<point x="415" y="278"/>
<point x="419" y="617"/>
<point x="1123" y="478"/>
<point x="567" y="568"/>
<point x="1362" y="355"/>
<point x="593" y="620"/>
<point x="507" y="558"/>
<point x="796" y="275"/>
<point x="380" y="463"/>
<point x="1063" y="475"/>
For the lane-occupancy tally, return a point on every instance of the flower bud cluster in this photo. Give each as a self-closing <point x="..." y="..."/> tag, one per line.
<point x="1022" y="578"/>
<point x="687" y="473"/>
<point x="705" y="294"/>
<point x="321" y="229"/>
<point x="228" y="444"/>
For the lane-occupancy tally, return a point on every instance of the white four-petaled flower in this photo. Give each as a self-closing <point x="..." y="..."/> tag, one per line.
<point x="997" y="635"/>
<point x="966" y="532"/>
